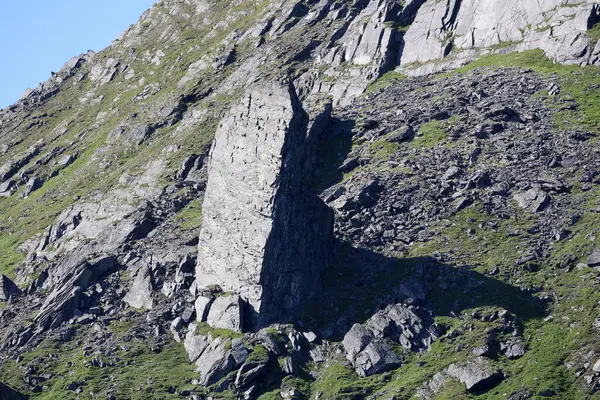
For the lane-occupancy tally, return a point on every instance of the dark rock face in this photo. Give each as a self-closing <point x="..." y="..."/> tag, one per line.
<point x="7" y="288"/>
<point x="7" y="393"/>
<point x="264" y="236"/>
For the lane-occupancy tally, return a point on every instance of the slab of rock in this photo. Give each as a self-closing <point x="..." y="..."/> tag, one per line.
<point x="401" y="134"/>
<point x="8" y="288"/>
<point x="60" y="305"/>
<point x="226" y="312"/>
<point x="195" y="344"/>
<point x="478" y="375"/>
<point x="533" y="200"/>
<point x="202" y="305"/>
<point x="264" y="236"/>
<point x="140" y="293"/>
<point x="214" y="357"/>
<point x="8" y="188"/>
<point x="32" y="185"/>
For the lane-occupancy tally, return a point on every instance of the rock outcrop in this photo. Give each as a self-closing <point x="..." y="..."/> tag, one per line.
<point x="264" y="236"/>
<point x="368" y="345"/>
<point x="477" y="375"/>
<point x="449" y="33"/>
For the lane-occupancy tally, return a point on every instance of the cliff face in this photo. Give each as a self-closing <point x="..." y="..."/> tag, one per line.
<point x="446" y="34"/>
<point x="264" y="236"/>
<point x="248" y="199"/>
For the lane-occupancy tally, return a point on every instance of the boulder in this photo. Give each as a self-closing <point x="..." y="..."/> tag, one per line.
<point x="513" y="349"/>
<point x="226" y="312"/>
<point x="369" y="355"/>
<point x="375" y="358"/>
<point x="594" y="259"/>
<point x="62" y="302"/>
<point x="249" y="372"/>
<point x="215" y="362"/>
<point x="32" y="185"/>
<point x="402" y="134"/>
<point x="202" y="305"/>
<point x="477" y="375"/>
<point x="8" y="188"/>
<point x="368" y="347"/>
<point x="140" y="293"/>
<point x="195" y="344"/>
<point x="533" y="200"/>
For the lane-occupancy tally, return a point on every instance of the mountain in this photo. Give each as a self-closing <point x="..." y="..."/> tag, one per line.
<point x="310" y="199"/>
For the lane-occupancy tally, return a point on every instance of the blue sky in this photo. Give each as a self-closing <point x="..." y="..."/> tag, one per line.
<point x="39" y="36"/>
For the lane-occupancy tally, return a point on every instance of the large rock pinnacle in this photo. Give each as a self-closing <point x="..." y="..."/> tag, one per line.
<point x="264" y="236"/>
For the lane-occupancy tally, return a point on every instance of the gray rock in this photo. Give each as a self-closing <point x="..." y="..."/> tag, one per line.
<point x="533" y="200"/>
<point x="249" y="372"/>
<point x="482" y="351"/>
<point x="369" y="355"/>
<point x="215" y="362"/>
<point x="8" y="188"/>
<point x="8" y="288"/>
<point x="477" y="375"/>
<point x="311" y="337"/>
<point x="366" y="345"/>
<point x="61" y="303"/>
<point x="375" y="358"/>
<point x="202" y="305"/>
<point x="513" y="349"/>
<point x="195" y="344"/>
<point x="466" y="29"/>
<point x="66" y="160"/>
<point x="226" y="312"/>
<point x="594" y="259"/>
<point x="263" y="236"/>
<point x="451" y="173"/>
<point x="140" y="294"/>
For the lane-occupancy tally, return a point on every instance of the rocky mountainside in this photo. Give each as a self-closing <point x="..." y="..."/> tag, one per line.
<point x="309" y="199"/>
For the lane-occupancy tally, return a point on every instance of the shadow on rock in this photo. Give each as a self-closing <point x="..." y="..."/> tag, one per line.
<point x="359" y="283"/>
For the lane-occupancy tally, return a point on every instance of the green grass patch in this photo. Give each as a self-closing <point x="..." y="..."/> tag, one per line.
<point x="206" y="329"/>
<point x="594" y="32"/>
<point x="384" y="81"/>
<point x="429" y="135"/>
<point x="191" y="216"/>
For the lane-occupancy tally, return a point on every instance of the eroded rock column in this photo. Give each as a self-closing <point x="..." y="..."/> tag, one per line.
<point x="264" y="236"/>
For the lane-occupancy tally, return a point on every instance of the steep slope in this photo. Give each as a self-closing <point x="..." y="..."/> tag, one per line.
<point x="163" y="195"/>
